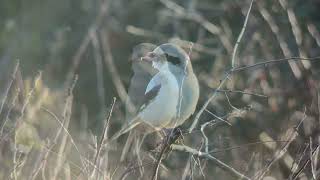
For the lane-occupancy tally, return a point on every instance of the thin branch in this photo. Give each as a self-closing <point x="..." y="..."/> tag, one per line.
<point x="215" y="93"/>
<point x="28" y="98"/>
<point x="13" y="77"/>
<point x="104" y="133"/>
<point x="219" y="163"/>
<point x="13" y="103"/>
<point x="296" y="175"/>
<point x="242" y="146"/>
<point x="206" y="141"/>
<point x="218" y="117"/>
<point x="242" y="92"/>
<point x="233" y="60"/>
<point x="232" y="106"/>
<point x="275" y="61"/>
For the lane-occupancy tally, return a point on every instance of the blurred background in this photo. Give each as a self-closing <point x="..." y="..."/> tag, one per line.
<point x="63" y="62"/>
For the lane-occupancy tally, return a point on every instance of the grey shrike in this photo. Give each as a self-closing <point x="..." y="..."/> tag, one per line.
<point x="169" y="97"/>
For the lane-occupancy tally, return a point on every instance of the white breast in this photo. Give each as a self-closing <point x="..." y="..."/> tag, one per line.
<point x="160" y="112"/>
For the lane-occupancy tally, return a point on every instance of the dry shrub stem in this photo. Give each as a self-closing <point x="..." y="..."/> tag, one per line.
<point x="313" y="152"/>
<point x="5" y="95"/>
<point x="104" y="135"/>
<point x="219" y="163"/>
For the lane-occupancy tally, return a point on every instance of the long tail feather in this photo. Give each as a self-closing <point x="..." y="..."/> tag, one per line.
<point x="125" y="129"/>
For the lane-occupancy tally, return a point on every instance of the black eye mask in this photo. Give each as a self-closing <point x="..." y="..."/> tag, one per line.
<point x="172" y="59"/>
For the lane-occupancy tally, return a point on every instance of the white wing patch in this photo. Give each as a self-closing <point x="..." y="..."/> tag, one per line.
<point x="154" y="82"/>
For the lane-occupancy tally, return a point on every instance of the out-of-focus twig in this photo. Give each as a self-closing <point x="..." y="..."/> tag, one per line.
<point x="13" y="103"/>
<point x="104" y="134"/>
<point x="314" y="32"/>
<point x="283" y="45"/>
<point x="296" y="31"/>
<point x="194" y="16"/>
<point x="108" y="59"/>
<point x="99" y="69"/>
<point x="86" y="40"/>
<point x="137" y="31"/>
<point x="5" y="95"/>
<point x="265" y="63"/>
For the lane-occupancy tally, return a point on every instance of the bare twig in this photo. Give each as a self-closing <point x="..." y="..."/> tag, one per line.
<point x="314" y="155"/>
<point x="218" y="117"/>
<point x="219" y="163"/>
<point x="104" y="133"/>
<point x="13" y="103"/>
<point x="230" y="104"/>
<point x="215" y="93"/>
<point x="206" y="141"/>
<point x="296" y="175"/>
<point x="244" y="145"/>
<point x="233" y="60"/>
<point x="5" y="95"/>
<point x="242" y="92"/>
<point x="296" y="162"/>
<point x="275" y="61"/>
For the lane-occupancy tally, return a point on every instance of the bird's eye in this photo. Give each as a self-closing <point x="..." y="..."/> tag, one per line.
<point x="172" y="59"/>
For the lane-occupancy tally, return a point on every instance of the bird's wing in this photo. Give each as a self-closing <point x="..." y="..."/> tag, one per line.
<point x="154" y="84"/>
<point x="151" y="91"/>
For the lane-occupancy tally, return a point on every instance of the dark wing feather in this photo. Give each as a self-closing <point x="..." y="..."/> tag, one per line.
<point x="149" y="97"/>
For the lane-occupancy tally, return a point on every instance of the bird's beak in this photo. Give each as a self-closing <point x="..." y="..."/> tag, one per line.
<point x="149" y="57"/>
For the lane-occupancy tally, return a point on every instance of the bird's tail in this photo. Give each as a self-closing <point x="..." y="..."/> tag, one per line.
<point x="134" y="140"/>
<point x="133" y="148"/>
<point x="126" y="128"/>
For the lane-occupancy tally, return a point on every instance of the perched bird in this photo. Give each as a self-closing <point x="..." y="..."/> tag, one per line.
<point x="180" y="65"/>
<point x="170" y="96"/>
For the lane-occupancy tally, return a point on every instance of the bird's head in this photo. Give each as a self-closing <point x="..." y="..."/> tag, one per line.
<point x="169" y="54"/>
